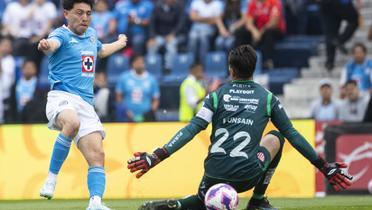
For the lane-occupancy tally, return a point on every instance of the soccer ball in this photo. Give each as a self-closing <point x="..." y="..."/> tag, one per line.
<point x="221" y="197"/>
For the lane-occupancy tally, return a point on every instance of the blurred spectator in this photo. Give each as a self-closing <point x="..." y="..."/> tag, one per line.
<point x="359" y="69"/>
<point x="334" y="12"/>
<point x="192" y="93"/>
<point x="103" y="20"/>
<point x="7" y="74"/>
<point x="43" y="13"/>
<point x="204" y="15"/>
<point x="233" y="19"/>
<point x="133" y="19"/>
<point x="16" y="20"/>
<point x="325" y="108"/>
<point x="137" y="93"/>
<point x="353" y="107"/>
<point x="266" y="25"/>
<point x="166" y="24"/>
<point x="26" y="85"/>
<point x="3" y="4"/>
<point x="102" y="99"/>
<point x="17" y="23"/>
<point x="297" y="16"/>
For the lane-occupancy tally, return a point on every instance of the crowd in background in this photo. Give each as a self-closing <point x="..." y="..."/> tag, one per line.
<point x="166" y="27"/>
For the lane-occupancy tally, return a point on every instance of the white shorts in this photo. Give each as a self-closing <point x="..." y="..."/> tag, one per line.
<point x="89" y="120"/>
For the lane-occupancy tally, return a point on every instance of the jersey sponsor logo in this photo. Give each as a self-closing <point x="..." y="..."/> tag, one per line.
<point x="87" y="64"/>
<point x="230" y="107"/>
<point x="241" y="85"/>
<point x="92" y="39"/>
<point x="175" y="139"/>
<point x="237" y="120"/>
<point x="228" y="98"/>
<point x="250" y="108"/>
<point x="237" y="91"/>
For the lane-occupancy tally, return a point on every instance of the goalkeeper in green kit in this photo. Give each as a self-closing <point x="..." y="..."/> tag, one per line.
<point x="239" y="111"/>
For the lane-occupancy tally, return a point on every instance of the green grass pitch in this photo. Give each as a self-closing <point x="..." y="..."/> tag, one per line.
<point x="327" y="203"/>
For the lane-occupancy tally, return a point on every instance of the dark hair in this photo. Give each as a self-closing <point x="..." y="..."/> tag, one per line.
<point x="69" y="4"/>
<point x="242" y="60"/>
<point x="351" y="82"/>
<point x="194" y="65"/>
<point x="361" y="45"/>
<point x="135" y="57"/>
<point x="28" y="60"/>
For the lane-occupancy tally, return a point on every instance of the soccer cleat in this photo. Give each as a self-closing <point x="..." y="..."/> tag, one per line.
<point x="97" y="206"/>
<point x="47" y="190"/>
<point x="159" y="205"/>
<point x="260" y="204"/>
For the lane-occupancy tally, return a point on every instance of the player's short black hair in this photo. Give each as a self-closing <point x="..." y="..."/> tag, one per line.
<point x="242" y="60"/>
<point x="69" y="4"/>
<point x="361" y="45"/>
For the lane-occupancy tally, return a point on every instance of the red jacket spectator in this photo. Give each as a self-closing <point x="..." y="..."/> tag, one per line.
<point x="262" y="11"/>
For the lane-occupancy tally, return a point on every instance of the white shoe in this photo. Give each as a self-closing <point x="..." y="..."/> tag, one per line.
<point x="48" y="188"/>
<point x="95" y="206"/>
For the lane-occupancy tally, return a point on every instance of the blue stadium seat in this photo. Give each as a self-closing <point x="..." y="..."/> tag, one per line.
<point x="43" y="81"/>
<point x="116" y="65"/>
<point x="154" y="64"/>
<point x="181" y="64"/>
<point x="280" y="76"/>
<point x="216" y="64"/>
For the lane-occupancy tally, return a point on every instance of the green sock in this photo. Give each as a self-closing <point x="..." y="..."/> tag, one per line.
<point x="261" y="186"/>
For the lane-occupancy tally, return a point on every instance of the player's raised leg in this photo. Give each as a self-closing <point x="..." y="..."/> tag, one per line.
<point x="68" y="122"/>
<point x="273" y="144"/>
<point x="92" y="149"/>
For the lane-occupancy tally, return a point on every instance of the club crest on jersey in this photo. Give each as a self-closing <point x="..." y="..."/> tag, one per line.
<point x="92" y="39"/>
<point x="87" y="64"/>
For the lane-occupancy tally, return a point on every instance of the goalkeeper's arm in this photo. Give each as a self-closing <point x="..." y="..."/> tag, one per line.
<point x="332" y="171"/>
<point x="143" y="161"/>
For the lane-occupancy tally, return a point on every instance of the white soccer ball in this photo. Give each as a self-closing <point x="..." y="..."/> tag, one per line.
<point x="221" y="197"/>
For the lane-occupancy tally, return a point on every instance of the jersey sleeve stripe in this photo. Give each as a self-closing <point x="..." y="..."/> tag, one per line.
<point x="215" y="100"/>
<point x="268" y="105"/>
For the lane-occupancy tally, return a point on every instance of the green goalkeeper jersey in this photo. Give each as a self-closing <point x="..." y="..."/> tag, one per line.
<point x="239" y="112"/>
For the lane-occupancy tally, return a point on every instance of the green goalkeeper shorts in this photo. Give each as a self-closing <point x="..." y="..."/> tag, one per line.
<point x="240" y="186"/>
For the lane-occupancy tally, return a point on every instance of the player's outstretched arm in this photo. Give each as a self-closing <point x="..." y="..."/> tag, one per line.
<point x="338" y="178"/>
<point x="48" y="45"/>
<point x="108" y="49"/>
<point x="143" y="161"/>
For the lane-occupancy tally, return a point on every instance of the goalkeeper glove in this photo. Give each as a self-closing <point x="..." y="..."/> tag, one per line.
<point x="143" y="161"/>
<point x="338" y="178"/>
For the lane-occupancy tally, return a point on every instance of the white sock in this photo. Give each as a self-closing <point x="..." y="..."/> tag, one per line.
<point x="95" y="200"/>
<point x="52" y="177"/>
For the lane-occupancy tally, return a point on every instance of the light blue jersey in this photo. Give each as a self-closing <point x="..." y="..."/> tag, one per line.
<point x="72" y="65"/>
<point x="362" y="73"/>
<point x="138" y="92"/>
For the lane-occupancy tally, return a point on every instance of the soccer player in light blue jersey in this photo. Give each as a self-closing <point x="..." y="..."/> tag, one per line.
<point x="72" y="50"/>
